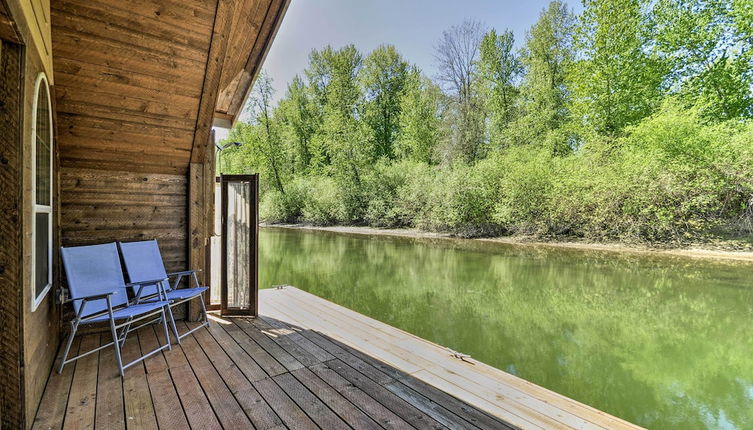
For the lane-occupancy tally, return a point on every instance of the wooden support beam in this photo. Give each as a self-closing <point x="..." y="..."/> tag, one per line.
<point x="212" y="75"/>
<point x="201" y="221"/>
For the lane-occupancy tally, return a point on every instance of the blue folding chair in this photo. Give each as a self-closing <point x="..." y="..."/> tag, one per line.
<point x="143" y="261"/>
<point x="98" y="294"/>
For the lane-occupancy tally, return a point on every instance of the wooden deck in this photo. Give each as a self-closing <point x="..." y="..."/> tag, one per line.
<point x="247" y="373"/>
<point x="493" y="391"/>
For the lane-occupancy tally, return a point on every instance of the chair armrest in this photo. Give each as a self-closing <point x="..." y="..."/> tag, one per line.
<point x="94" y="297"/>
<point x="148" y="282"/>
<point x="179" y="277"/>
<point x="184" y="273"/>
<point x="141" y="284"/>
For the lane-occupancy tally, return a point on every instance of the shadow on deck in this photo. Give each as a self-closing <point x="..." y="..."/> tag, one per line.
<point x="244" y="372"/>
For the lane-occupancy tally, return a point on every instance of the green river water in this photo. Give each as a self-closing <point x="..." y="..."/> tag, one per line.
<point x="664" y="342"/>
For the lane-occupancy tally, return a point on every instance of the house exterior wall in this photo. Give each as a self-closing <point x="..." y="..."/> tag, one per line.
<point x="39" y="328"/>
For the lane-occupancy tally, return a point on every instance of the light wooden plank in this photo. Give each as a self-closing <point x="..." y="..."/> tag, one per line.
<point x="482" y="378"/>
<point x="392" y="348"/>
<point x="383" y="350"/>
<point x="517" y="401"/>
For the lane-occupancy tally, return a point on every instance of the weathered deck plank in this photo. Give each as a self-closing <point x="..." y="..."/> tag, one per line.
<point x="266" y="373"/>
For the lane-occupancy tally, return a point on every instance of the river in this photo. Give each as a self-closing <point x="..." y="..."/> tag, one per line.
<point x="664" y="342"/>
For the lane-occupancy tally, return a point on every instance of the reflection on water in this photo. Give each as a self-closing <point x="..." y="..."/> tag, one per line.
<point x="664" y="342"/>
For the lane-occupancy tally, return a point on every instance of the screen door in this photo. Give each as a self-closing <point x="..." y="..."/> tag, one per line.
<point x="240" y="231"/>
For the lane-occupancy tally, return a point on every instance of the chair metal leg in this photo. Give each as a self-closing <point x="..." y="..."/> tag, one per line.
<point x="116" y="345"/>
<point x="164" y="327"/>
<point x="204" y="309"/>
<point x="68" y="344"/>
<point x="125" y="334"/>
<point x="172" y="323"/>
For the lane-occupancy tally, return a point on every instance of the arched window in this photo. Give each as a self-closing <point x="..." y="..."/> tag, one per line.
<point x="41" y="153"/>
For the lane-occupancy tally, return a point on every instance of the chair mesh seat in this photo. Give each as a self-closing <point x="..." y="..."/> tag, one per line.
<point x="130" y="311"/>
<point x="181" y="294"/>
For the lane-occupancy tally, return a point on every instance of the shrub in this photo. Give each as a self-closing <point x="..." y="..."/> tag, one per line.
<point x="323" y="204"/>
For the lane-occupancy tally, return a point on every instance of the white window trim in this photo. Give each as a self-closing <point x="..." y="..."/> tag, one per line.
<point x="35" y="301"/>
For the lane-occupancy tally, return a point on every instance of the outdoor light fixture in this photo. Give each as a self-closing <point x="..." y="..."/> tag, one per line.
<point x="223" y="147"/>
<point x="227" y="145"/>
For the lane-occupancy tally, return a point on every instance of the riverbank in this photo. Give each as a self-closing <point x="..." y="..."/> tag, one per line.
<point x="721" y="251"/>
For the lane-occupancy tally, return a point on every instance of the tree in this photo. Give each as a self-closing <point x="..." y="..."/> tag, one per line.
<point x="546" y="59"/>
<point x="297" y="113"/>
<point x="499" y="67"/>
<point x="616" y="81"/>
<point x="383" y="78"/>
<point x="456" y="56"/>
<point x="265" y="136"/>
<point x="420" y="116"/>
<point x="343" y="134"/>
<point x="709" y="46"/>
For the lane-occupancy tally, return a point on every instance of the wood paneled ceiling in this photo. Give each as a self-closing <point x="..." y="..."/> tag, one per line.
<point x="135" y="80"/>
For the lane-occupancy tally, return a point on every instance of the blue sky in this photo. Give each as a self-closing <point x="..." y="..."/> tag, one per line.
<point x="413" y="26"/>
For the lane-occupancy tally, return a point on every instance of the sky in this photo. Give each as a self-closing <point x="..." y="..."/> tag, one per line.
<point x="413" y="26"/>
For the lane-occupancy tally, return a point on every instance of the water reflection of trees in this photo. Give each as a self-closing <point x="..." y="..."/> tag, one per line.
<point x="663" y="342"/>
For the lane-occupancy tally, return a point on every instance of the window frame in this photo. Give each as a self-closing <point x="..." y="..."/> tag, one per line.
<point x="37" y="208"/>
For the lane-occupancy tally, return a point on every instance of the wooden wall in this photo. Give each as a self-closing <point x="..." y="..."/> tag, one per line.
<point x="11" y="308"/>
<point x="149" y="206"/>
<point x="40" y="328"/>
<point x="129" y="78"/>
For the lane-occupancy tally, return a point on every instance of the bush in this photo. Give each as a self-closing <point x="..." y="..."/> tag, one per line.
<point x="323" y="204"/>
<point x="276" y="207"/>
<point x="383" y="193"/>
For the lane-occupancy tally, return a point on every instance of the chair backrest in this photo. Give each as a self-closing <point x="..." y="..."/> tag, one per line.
<point x="143" y="262"/>
<point x="93" y="270"/>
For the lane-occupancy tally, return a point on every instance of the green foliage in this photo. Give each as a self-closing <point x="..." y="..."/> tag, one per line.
<point x="383" y="78"/>
<point x="498" y="68"/>
<point x="629" y="122"/>
<point x="546" y="58"/>
<point x="324" y="202"/>
<point x="419" y="119"/>
<point x="615" y="82"/>
<point x="709" y="46"/>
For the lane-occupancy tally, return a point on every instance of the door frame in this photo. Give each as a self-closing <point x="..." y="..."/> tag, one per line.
<point x="253" y="310"/>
